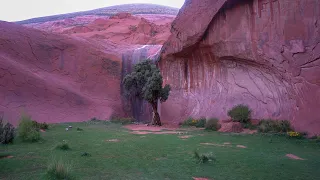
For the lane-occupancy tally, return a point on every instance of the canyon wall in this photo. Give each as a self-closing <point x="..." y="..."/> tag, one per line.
<point x="56" y="78"/>
<point x="263" y="53"/>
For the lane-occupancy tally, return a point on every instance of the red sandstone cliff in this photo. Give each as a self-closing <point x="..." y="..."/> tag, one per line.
<point x="264" y="53"/>
<point x="56" y="78"/>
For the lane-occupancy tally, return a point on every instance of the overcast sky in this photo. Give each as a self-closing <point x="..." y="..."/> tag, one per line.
<point x="15" y="10"/>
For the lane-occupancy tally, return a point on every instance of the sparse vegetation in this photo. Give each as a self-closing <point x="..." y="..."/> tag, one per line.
<point x="274" y="126"/>
<point x="27" y="130"/>
<point x="85" y="154"/>
<point x="133" y="28"/>
<point x="79" y="129"/>
<point x="7" y="132"/>
<point x="240" y="113"/>
<point x="57" y="169"/>
<point x="203" y="158"/>
<point x="189" y="122"/>
<point x="201" y="122"/>
<point x="212" y="124"/>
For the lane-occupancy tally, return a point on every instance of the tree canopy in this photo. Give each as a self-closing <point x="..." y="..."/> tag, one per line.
<point x="145" y="82"/>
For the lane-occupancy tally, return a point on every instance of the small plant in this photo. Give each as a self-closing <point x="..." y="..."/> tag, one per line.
<point x="59" y="170"/>
<point x="85" y="154"/>
<point x="190" y="122"/>
<point x="240" y="113"/>
<point x="293" y="134"/>
<point x="40" y="125"/>
<point x="201" y="122"/>
<point x="212" y="124"/>
<point x="6" y="132"/>
<point x="133" y="28"/>
<point x="203" y="158"/>
<point x="79" y="129"/>
<point x="27" y="130"/>
<point x="63" y="146"/>
<point x="274" y="126"/>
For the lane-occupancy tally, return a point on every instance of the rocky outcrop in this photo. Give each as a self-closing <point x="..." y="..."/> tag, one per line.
<point x="57" y="78"/>
<point x="264" y="53"/>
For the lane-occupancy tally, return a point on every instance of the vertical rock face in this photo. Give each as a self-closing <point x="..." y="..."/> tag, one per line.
<point x="263" y="53"/>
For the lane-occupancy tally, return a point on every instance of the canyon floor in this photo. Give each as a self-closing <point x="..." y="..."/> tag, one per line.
<point x="120" y="153"/>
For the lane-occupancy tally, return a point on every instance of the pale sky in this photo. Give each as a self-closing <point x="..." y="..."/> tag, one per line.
<point x="15" y="10"/>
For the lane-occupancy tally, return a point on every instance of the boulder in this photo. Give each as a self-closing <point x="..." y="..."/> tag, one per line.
<point x="234" y="127"/>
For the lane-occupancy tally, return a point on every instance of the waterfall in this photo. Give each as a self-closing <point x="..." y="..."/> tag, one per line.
<point x="140" y="109"/>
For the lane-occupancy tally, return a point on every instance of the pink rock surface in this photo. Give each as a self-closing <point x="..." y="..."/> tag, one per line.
<point x="262" y="53"/>
<point x="56" y="78"/>
<point x="292" y="156"/>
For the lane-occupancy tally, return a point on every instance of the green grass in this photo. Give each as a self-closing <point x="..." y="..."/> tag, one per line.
<point x="161" y="156"/>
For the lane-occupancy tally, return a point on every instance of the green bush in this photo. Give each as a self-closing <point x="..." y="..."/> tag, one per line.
<point x="63" y="146"/>
<point x="40" y="125"/>
<point x="6" y="132"/>
<point x="212" y="124"/>
<point x="240" y="113"/>
<point x="189" y="122"/>
<point x="79" y="129"/>
<point x="201" y="122"/>
<point x="27" y="130"/>
<point x="274" y="126"/>
<point x="59" y="170"/>
<point x="122" y="121"/>
<point x="203" y="158"/>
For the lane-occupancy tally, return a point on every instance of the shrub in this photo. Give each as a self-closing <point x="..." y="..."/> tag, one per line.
<point x="40" y="125"/>
<point x="201" y="122"/>
<point x="203" y="158"/>
<point x="212" y="124"/>
<point x="274" y="126"/>
<point x="59" y="170"/>
<point x="79" y="129"/>
<point x="240" y="113"/>
<point x="189" y="122"/>
<point x="6" y="133"/>
<point x="296" y="135"/>
<point x="27" y="130"/>
<point x="85" y="154"/>
<point x="63" y="146"/>
<point x="122" y="121"/>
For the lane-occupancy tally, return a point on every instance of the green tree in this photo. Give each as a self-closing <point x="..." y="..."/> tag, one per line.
<point x="145" y="82"/>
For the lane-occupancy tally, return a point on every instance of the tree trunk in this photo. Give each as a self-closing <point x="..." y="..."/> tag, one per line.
<point x="155" y="115"/>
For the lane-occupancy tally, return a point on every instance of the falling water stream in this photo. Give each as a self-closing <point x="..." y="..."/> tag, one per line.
<point x="140" y="109"/>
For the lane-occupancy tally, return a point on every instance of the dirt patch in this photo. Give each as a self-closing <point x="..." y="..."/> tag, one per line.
<point x="248" y="131"/>
<point x="6" y="157"/>
<point x="42" y="130"/>
<point x="112" y="140"/>
<point x="161" y="158"/>
<point x="292" y="156"/>
<point x="227" y="143"/>
<point x="197" y="178"/>
<point x="143" y="127"/>
<point x="242" y="146"/>
<point x="185" y="137"/>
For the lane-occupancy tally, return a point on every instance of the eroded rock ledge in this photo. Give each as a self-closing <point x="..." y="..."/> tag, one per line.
<point x="264" y="53"/>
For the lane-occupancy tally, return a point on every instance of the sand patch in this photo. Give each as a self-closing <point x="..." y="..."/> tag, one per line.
<point x="185" y="137"/>
<point x="112" y="140"/>
<point x="292" y="156"/>
<point x="242" y="146"/>
<point x="197" y="178"/>
<point x="227" y="143"/>
<point x="42" y="130"/>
